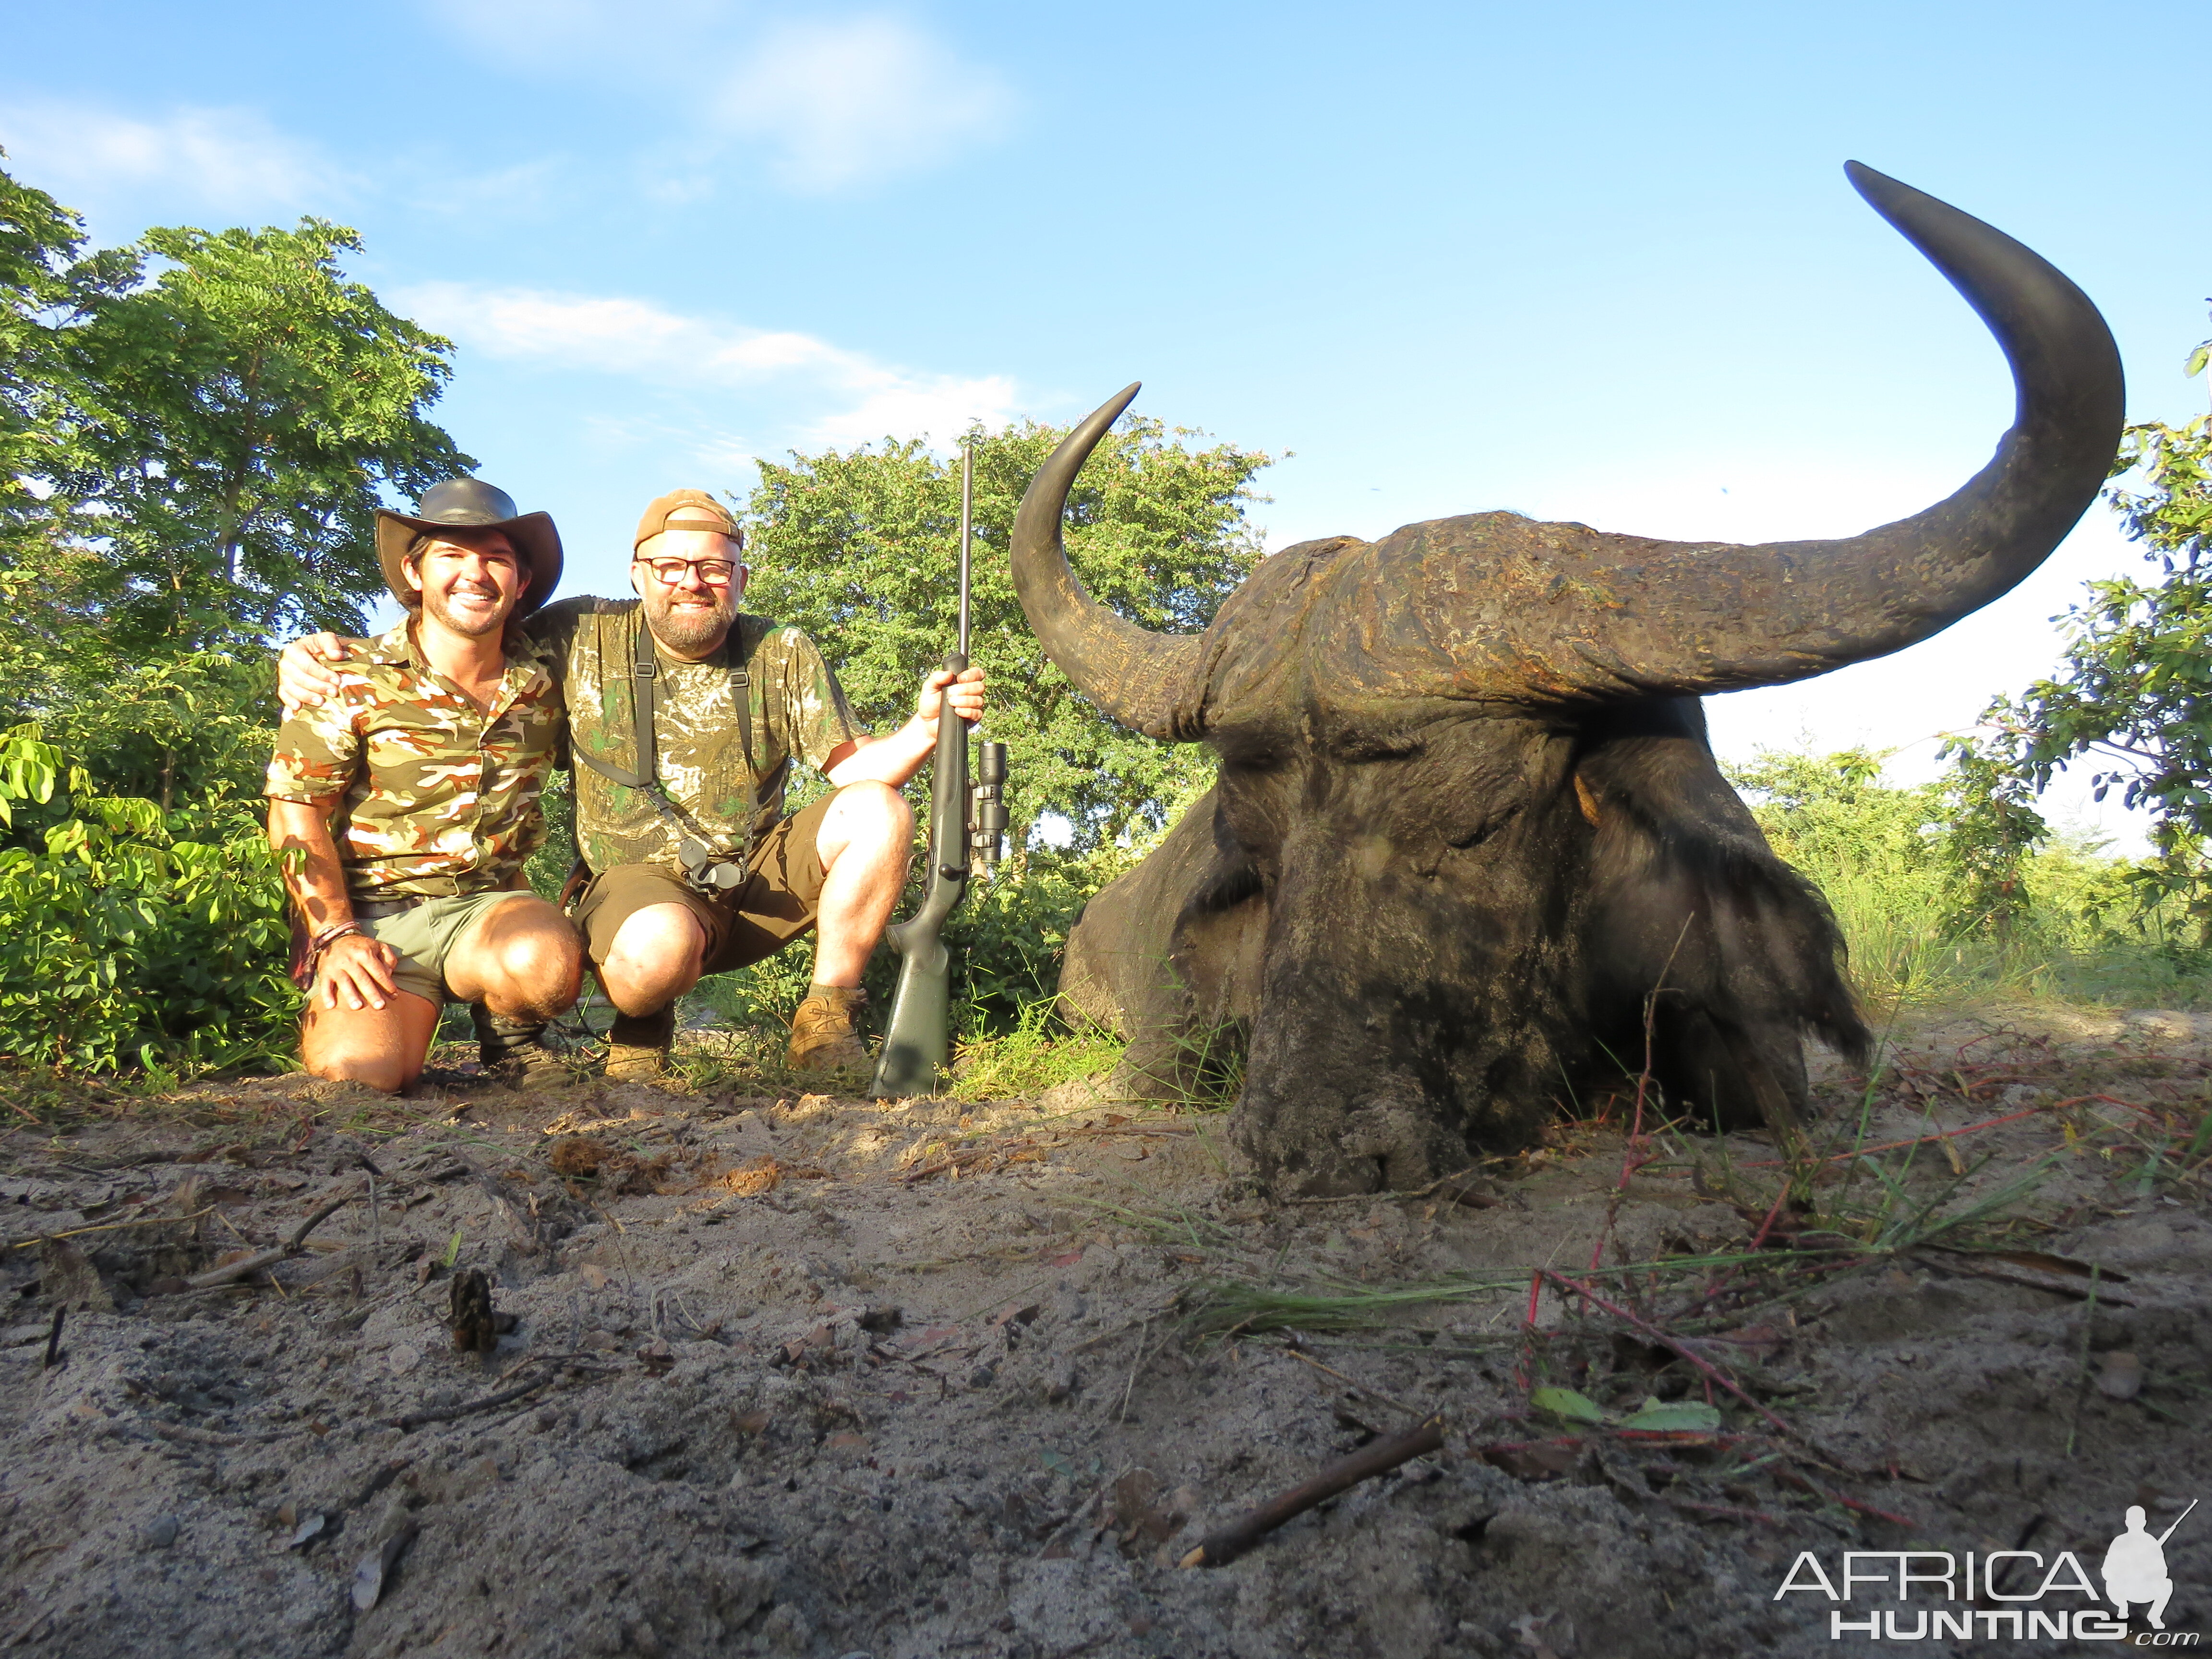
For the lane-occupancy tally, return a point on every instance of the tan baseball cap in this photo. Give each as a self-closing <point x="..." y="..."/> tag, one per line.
<point x="676" y="501"/>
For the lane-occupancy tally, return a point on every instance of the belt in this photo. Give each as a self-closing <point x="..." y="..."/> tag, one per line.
<point x="377" y="910"/>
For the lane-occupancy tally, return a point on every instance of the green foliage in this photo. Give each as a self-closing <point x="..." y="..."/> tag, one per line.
<point x="1038" y="1052"/>
<point x="177" y="727"/>
<point x="125" y="940"/>
<point x="2133" y="691"/>
<point x="862" y="549"/>
<point x="1006" y="943"/>
<point x="44" y="280"/>
<point x="1907" y="871"/>
<point x="214" y="413"/>
<point x="247" y="405"/>
<point x="195" y="431"/>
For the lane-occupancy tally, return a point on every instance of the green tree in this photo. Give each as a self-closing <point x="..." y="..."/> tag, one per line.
<point x="236" y="411"/>
<point x="44" y="281"/>
<point x="195" y="433"/>
<point x="2133" y="691"/>
<point x="862" y="549"/>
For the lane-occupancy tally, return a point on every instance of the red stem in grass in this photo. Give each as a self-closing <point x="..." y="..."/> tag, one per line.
<point x="1673" y="1344"/>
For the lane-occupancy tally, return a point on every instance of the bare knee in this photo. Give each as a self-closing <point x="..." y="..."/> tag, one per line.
<point x="869" y="820"/>
<point x="656" y="956"/>
<point x="541" y="968"/>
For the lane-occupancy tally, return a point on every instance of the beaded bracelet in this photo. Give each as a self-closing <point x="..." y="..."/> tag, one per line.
<point x="327" y="938"/>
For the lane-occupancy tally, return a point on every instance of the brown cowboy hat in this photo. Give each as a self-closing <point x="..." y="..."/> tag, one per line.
<point x="472" y="504"/>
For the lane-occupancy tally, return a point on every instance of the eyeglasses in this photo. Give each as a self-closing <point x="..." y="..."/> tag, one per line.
<point x="714" y="572"/>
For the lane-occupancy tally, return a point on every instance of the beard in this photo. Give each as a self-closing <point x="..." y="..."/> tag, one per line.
<point x="682" y="623"/>
<point x="472" y="624"/>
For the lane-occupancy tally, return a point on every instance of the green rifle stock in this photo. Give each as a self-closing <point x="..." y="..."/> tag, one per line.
<point x="963" y="823"/>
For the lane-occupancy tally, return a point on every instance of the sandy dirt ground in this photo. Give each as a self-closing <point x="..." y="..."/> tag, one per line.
<point x="692" y="1371"/>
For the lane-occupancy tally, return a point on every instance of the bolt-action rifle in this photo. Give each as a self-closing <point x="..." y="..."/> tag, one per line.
<point x="967" y="822"/>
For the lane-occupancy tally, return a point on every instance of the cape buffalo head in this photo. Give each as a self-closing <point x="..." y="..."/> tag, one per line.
<point x="1466" y="817"/>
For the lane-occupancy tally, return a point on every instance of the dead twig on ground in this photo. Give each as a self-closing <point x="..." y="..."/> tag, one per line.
<point x="413" y="1420"/>
<point x="1144" y="1340"/>
<point x="1227" y="1543"/>
<point x="111" y="1226"/>
<point x="245" y="1267"/>
<point x="1375" y="1395"/>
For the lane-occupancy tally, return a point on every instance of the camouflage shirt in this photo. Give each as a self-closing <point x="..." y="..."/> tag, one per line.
<point x="795" y="706"/>
<point x="440" y="797"/>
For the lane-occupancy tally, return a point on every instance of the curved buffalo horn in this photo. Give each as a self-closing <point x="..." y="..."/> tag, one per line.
<point x="1715" y="616"/>
<point x="1131" y="672"/>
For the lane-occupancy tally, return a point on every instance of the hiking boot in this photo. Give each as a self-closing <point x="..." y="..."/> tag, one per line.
<point x="516" y="1050"/>
<point x="821" y="1034"/>
<point x="638" y="1046"/>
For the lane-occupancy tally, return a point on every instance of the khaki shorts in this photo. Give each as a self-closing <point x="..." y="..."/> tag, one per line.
<point x="774" y="907"/>
<point x="425" y="935"/>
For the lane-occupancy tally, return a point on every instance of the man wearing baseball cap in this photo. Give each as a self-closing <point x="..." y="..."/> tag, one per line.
<point x="404" y="804"/>
<point x="685" y="716"/>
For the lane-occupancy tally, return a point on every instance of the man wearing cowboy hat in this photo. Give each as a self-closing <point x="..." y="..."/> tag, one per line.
<point x="685" y="717"/>
<point x="404" y="804"/>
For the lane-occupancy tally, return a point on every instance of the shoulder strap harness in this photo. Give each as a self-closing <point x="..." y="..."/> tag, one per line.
<point x="694" y="849"/>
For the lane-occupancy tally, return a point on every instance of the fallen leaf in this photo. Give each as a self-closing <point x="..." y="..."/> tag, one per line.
<point x="1058" y="1463"/>
<point x="753" y="1422"/>
<point x="370" y="1577"/>
<point x="594" y="1276"/>
<point x="1566" y="1404"/>
<point x="306" y="1529"/>
<point x="1674" y="1417"/>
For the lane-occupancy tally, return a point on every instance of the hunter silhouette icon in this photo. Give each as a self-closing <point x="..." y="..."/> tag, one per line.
<point x="2135" y="1566"/>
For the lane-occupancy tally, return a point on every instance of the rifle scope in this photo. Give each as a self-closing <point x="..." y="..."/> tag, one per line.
<point x="987" y="812"/>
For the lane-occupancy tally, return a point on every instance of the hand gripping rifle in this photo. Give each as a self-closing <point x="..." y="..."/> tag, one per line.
<point x="965" y="820"/>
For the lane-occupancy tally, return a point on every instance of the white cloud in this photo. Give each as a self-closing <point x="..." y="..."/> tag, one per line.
<point x="231" y="160"/>
<point x="817" y="104"/>
<point x="842" y="103"/>
<point x="849" y="397"/>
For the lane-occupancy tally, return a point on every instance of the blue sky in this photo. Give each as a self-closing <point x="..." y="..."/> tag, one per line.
<point x="1587" y="262"/>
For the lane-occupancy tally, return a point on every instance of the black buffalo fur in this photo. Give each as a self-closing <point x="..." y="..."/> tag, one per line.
<point x="1429" y="936"/>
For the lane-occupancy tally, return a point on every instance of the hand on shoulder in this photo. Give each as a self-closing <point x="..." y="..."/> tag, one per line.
<point x="306" y="669"/>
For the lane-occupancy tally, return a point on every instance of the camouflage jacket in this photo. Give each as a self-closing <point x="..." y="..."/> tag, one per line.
<point x="439" y="798"/>
<point x="796" y="706"/>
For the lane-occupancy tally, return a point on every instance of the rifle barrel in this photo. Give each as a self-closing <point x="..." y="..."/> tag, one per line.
<point x="967" y="520"/>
